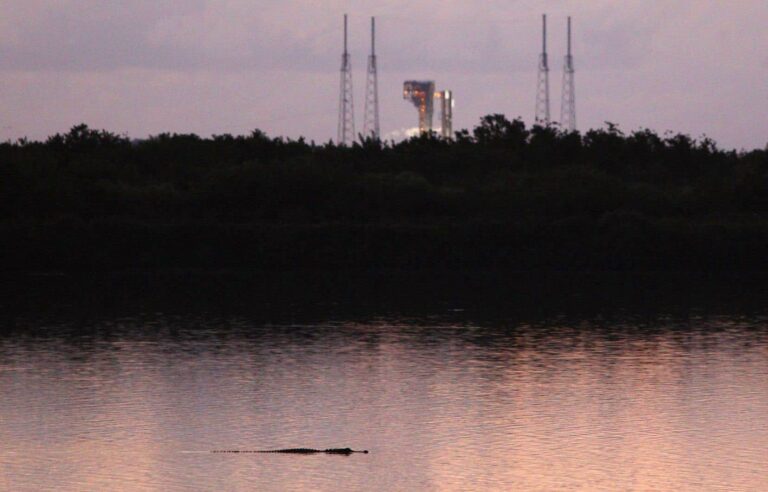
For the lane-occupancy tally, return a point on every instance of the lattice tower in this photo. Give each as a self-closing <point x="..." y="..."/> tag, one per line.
<point x="542" y="87"/>
<point x="371" y="118"/>
<point x="568" y="102"/>
<point x="346" y="128"/>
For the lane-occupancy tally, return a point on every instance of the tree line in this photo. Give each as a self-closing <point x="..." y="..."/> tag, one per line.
<point x="501" y="196"/>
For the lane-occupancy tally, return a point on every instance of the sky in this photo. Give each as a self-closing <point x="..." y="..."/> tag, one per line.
<point x="143" y="67"/>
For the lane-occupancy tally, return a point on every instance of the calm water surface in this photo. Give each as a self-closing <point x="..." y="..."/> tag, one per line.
<point x="447" y="400"/>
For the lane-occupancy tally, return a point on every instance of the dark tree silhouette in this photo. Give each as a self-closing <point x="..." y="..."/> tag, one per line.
<point x="500" y="196"/>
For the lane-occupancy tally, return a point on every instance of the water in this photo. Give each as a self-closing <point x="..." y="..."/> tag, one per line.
<point x="446" y="397"/>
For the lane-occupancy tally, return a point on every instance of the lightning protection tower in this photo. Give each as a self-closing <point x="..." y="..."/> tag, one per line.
<point x="542" y="87"/>
<point x="371" y="123"/>
<point x="568" y="102"/>
<point x="346" y="129"/>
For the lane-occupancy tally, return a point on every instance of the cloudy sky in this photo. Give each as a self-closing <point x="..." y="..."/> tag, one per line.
<point x="143" y="67"/>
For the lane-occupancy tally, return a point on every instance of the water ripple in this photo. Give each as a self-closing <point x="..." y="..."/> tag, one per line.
<point x="136" y="403"/>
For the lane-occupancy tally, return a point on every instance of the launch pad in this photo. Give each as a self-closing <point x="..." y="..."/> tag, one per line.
<point x="423" y="95"/>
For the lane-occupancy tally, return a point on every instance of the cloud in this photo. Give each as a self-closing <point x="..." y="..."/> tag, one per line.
<point x="76" y="35"/>
<point x="222" y="65"/>
<point x="401" y="134"/>
<point x="239" y="35"/>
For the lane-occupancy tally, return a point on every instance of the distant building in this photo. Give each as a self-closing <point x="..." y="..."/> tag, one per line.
<point x="423" y="95"/>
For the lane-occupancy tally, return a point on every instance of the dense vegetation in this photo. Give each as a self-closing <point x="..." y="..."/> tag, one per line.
<point x="503" y="196"/>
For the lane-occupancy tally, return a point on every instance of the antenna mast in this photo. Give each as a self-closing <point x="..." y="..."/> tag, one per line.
<point x="542" y="88"/>
<point x="346" y="128"/>
<point x="568" y="102"/>
<point x="371" y="118"/>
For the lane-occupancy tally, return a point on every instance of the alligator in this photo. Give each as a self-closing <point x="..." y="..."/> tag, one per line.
<point x="344" y="451"/>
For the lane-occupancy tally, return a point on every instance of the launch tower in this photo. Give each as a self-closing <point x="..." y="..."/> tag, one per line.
<point x="421" y="94"/>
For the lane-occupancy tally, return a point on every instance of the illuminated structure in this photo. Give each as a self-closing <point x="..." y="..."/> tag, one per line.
<point x="422" y="94"/>
<point x="445" y="99"/>
<point x="346" y="128"/>
<point x="568" y="101"/>
<point x="542" y="85"/>
<point x="371" y="115"/>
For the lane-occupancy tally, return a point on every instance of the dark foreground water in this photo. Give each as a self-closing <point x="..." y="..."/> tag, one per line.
<point x="113" y="393"/>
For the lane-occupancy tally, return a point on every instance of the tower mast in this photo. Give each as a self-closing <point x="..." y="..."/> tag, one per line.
<point x="346" y="127"/>
<point x="371" y="118"/>
<point x="542" y="87"/>
<point x="568" y="102"/>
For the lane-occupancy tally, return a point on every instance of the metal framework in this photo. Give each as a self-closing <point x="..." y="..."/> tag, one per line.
<point x="346" y="128"/>
<point x="568" y="102"/>
<point x="542" y="86"/>
<point x="371" y="115"/>
<point x="421" y="94"/>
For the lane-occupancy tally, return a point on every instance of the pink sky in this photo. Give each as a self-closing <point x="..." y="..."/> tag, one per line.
<point x="228" y="66"/>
